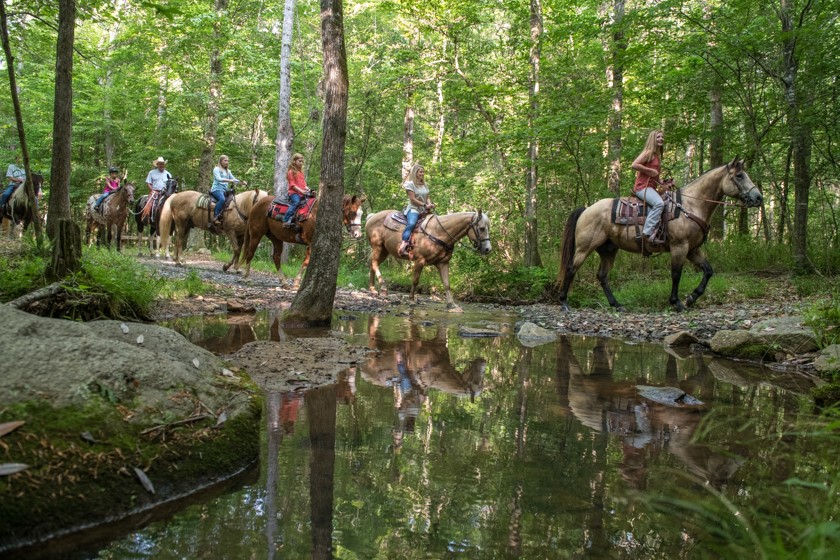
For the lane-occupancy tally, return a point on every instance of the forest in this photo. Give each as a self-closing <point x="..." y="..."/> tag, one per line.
<point x="528" y="110"/>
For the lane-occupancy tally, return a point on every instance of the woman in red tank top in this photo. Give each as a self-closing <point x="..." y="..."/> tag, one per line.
<point x="647" y="166"/>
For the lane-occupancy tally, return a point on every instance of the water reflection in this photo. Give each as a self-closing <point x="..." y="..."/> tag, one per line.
<point x="440" y="446"/>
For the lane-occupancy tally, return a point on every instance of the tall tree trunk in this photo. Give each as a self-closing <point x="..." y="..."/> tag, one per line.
<point x="532" y="248"/>
<point x="211" y="123"/>
<point x="163" y="91"/>
<point x="30" y="191"/>
<point x="800" y="136"/>
<point x="441" y="126"/>
<point x="716" y="226"/>
<point x="313" y="304"/>
<point x="408" y="134"/>
<point x="616" y="76"/>
<point x="285" y="132"/>
<point x="65" y="234"/>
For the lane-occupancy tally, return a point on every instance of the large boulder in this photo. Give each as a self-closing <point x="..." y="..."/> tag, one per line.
<point x="531" y="335"/>
<point x="768" y="340"/>
<point x="122" y="416"/>
<point x="829" y="359"/>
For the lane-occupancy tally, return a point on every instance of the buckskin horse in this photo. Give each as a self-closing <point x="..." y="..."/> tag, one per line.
<point x="190" y="209"/>
<point x="686" y="223"/>
<point x="260" y="224"/>
<point x="435" y="238"/>
<point x="112" y="214"/>
<point x="153" y="219"/>
<point x="18" y="209"/>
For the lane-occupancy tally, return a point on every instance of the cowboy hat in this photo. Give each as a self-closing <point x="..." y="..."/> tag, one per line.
<point x="159" y="160"/>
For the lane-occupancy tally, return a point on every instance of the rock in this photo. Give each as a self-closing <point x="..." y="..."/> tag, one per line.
<point x="681" y="338"/>
<point x="767" y="340"/>
<point x="828" y="359"/>
<point x="531" y="335"/>
<point x="470" y="332"/>
<point x="669" y="396"/>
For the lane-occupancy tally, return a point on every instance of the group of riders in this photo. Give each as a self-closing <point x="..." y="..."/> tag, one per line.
<point x="647" y="187"/>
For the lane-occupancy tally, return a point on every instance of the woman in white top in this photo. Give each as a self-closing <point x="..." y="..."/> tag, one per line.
<point x="418" y="203"/>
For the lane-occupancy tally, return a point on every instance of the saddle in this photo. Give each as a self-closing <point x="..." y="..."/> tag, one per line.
<point x="151" y="205"/>
<point x="278" y="207"/>
<point x="631" y="211"/>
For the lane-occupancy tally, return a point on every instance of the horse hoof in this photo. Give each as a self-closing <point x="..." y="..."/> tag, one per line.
<point x="620" y="308"/>
<point x="455" y="309"/>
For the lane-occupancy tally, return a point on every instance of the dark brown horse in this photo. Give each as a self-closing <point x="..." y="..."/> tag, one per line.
<point x="435" y="239"/>
<point x="112" y="214"/>
<point x="592" y="229"/>
<point x="153" y="219"/>
<point x="259" y="225"/>
<point x="18" y="210"/>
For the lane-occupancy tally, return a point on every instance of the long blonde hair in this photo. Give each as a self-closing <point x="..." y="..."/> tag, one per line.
<point x="651" y="149"/>
<point x="412" y="175"/>
<point x="292" y="161"/>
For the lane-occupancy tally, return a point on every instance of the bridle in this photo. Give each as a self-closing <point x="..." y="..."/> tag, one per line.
<point x="473" y="225"/>
<point x="476" y="243"/>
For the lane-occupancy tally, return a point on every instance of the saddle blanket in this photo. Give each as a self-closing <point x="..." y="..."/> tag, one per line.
<point x="205" y="201"/>
<point x="276" y="210"/>
<point x="395" y="221"/>
<point x="630" y="210"/>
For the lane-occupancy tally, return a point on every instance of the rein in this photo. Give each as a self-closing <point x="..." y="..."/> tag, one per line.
<point x="451" y="247"/>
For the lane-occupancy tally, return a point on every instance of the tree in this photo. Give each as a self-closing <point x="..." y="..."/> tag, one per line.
<point x="313" y="304"/>
<point x="532" y="249"/>
<point x="285" y="132"/>
<point x="64" y="232"/>
<point x="211" y="126"/>
<point x="7" y="50"/>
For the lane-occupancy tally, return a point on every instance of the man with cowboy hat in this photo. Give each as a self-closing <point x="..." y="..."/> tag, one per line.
<point x="156" y="180"/>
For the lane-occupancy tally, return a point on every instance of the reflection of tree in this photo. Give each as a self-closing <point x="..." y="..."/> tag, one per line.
<point x="321" y="411"/>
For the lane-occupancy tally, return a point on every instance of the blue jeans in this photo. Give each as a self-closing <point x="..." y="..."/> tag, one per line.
<point x="99" y="200"/>
<point x="219" y="197"/>
<point x="4" y="198"/>
<point x="294" y="204"/>
<point x="652" y="199"/>
<point x="411" y="218"/>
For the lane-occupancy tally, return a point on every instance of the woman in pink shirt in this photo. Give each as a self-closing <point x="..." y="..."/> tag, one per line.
<point x="647" y="167"/>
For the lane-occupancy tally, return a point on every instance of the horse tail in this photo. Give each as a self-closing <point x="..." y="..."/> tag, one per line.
<point x="568" y="255"/>
<point x="165" y="224"/>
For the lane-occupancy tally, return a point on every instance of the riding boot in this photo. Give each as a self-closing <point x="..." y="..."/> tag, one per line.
<point x="403" y="249"/>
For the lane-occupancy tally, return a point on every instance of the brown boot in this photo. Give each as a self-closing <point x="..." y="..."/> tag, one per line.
<point x="403" y="249"/>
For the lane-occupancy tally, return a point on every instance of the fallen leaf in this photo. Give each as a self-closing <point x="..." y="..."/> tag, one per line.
<point x="11" y="468"/>
<point x="140" y="339"/>
<point x="196" y="363"/>
<point x="222" y="419"/>
<point x="226" y="372"/>
<point x="124" y="328"/>
<point x="9" y="427"/>
<point x="144" y="480"/>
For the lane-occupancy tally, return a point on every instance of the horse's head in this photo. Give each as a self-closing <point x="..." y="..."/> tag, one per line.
<point x="739" y="185"/>
<point x="479" y="232"/>
<point x="129" y="188"/>
<point x="171" y="186"/>
<point x="352" y="211"/>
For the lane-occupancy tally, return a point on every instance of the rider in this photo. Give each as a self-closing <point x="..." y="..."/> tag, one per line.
<point x="156" y="181"/>
<point x="222" y="181"/>
<point x="297" y="189"/>
<point x="112" y="184"/>
<point x="418" y="203"/>
<point x="16" y="176"/>
<point x="647" y="166"/>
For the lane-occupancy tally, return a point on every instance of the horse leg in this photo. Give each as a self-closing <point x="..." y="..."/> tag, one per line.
<point x="234" y="248"/>
<point x="119" y="236"/>
<point x="698" y="258"/>
<point x="607" y="252"/>
<point x="443" y="269"/>
<point x="108" y="236"/>
<point x="377" y="255"/>
<point x="415" y="279"/>
<point x="678" y="256"/>
<point x="303" y="266"/>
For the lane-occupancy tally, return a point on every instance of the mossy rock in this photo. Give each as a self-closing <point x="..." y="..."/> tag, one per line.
<point x="826" y="395"/>
<point x="81" y="464"/>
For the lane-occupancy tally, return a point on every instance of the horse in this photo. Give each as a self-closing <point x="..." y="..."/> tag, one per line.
<point x="182" y="210"/>
<point x="592" y="229"/>
<point x="260" y="224"/>
<point x="435" y="239"/>
<point x="17" y="208"/>
<point x="153" y="219"/>
<point x="112" y="214"/>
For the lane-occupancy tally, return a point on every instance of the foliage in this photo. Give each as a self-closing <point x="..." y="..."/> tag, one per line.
<point x="128" y="288"/>
<point x="20" y="273"/>
<point x="824" y="317"/>
<point x="189" y="286"/>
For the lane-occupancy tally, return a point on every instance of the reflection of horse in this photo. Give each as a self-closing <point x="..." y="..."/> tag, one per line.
<point x="17" y="209"/>
<point x="606" y="405"/>
<point x="426" y="361"/>
<point x="183" y="211"/>
<point x="112" y="214"/>
<point x="435" y="239"/>
<point x="153" y="218"/>
<point x="592" y="229"/>
<point x="260" y="224"/>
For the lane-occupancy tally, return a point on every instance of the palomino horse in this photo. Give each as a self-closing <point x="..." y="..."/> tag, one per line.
<point x="182" y="210"/>
<point x="259" y="225"/>
<point x="112" y="214"/>
<point x="435" y="239"/>
<point x="592" y="229"/>
<point x="152" y="220"/>
<point x="17" y="209"/>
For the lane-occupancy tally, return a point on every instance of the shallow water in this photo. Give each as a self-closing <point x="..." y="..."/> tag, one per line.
<point x="441" y="446"/>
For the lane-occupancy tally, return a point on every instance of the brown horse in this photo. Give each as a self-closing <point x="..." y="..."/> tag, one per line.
<point x="17" y="209"/>
<point x="112" y="214"/>
<point x="182" y="210"/>
<point x="435" y="239"/>
<point x="153" y="218"/>
<point x="592" y="229"/>
<point x="259" y="225"/>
